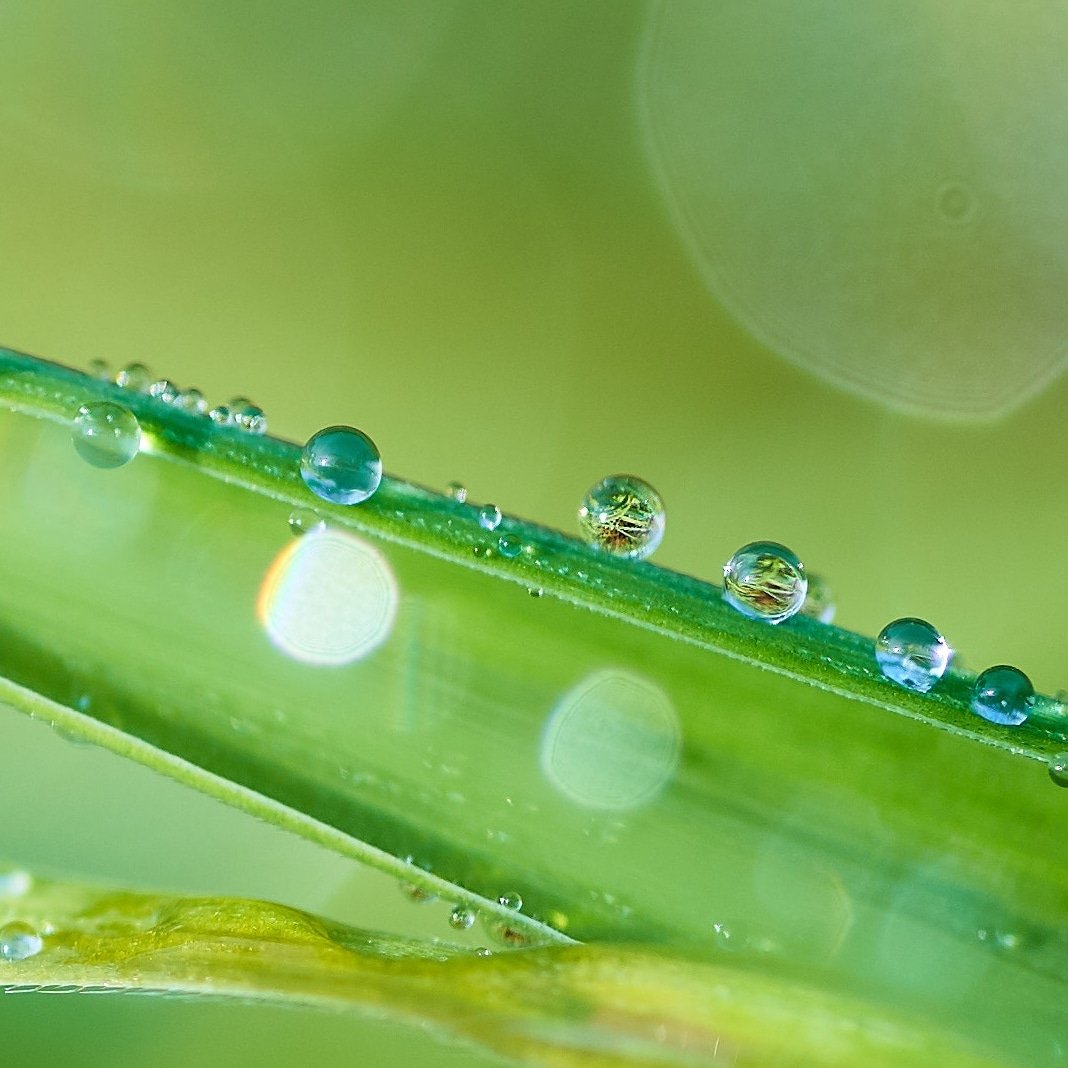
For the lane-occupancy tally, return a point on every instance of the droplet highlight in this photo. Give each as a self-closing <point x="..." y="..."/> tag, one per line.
<point x="912" y="653"/>
<point x="1003" y="694"/>
<point x="19" y="941"/>
<point x="342" y="465"/>
<point x="106" y="435"/>
<point x="623" y="515"/>
<point x="489" y="517"/>
<point x="765" y="580"/>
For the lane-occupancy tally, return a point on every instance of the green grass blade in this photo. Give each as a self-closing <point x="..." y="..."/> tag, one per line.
<point x="784" y="810"/>
<point x="570" y="1006"/>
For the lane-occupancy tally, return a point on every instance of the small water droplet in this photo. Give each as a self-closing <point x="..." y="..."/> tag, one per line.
<point x="511" y="900"/>
<point x="135" y="377"/>
<point x="15" y="882"/>
<point x="99" y="369"/>
<point x="723" y="936"/>
<point x="221" y="415"/>
<point x="342" y="465"/>
<point x="535" y="591"/>
<point x="462" y="918"/>
<point x="106" y="435"/>
<point x="457" y="491"/>
<point x="509" y="546"/>
<point x="482" y="951"/>
<point x="489" y="517"/>
<point x="1058" y="769"/>
<point x="624" y="516"/>
<point x="819" y="601"/>
<point x="302" y="520"/>
<point x="764" y="580"/>
<point x="482" y="551"/>
<point x="1007" y="940"/>
<point x="191" y="400"/>
<point x="18" y="941"/>
<point x="417" y="894"/>
<point x="912" y="653"/>
<point x="249" y="417"/>
<point x="1003" y="694"/>
<point x="163" y="390"/>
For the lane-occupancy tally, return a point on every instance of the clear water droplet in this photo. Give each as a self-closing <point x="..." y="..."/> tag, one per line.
<point x="482" y="951"/>
<point x="1058" y="769"/>
<point x="511" y="900"/>
<point x="482" y="551"/>
<point x="624" y="516"/>
<point x="462" y="918"/>
<point x="489" y="517"/>
<point x="536" y="591"/>
<point x="18" y="941"/>
<point x="819" y="601"/>
<point x="163" y="390"/>
<point x="912" y="653"/>
<point x="99" y="369"/>
<point x="191" y="400"/>
<point x="250" y="417"/>
<point x="342" y="465"/>
<point x="764" y="580"/>
<point x="1003" y="694"/>
<point x="105" y="434"/>
<point x="457" y="491"/>
<point x="15" y="882"/>
<point x="509" y="546"/>
<point x="221" y="415"/>
<point x="303" y="520"/>
<point x="135" y="377"/>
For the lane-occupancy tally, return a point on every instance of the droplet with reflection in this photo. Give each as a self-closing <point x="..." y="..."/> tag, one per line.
<point x="329" y="598"/>
<point x="612" y="741"/>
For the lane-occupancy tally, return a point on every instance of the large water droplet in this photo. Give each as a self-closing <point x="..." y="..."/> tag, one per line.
<point x="912" y="653"/>
<point x="105" y="434"/>
<point x="462" y="918"/>
<point x="1058" y="769"/>
<point x="489" y="517"/>
<point x="135" y="377"/>
<point x="765" y="580"/>
<point x="819" y="601"/>
<point x="18" y="941"/>
<point x="623" y="515"/>
<point x="342" y="465"/>
<point x="1003" y="694"/>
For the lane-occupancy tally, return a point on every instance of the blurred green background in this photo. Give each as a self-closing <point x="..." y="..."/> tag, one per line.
<point x="803" y="270"/>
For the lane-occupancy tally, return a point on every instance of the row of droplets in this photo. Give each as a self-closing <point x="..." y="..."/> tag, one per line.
<point x="621" y="515"/>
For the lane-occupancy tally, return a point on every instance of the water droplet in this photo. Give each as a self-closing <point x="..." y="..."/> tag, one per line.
<point x="511" y="900"/>
<point x="135" y="377"/>
<point x="99" y="369"/>
<point x="1003" y="694"/>
<point x="505" y="934"/>
<point x="765" y="580"/>
<point x="341" y="465"/>
<point x="105" y="434"/>
<point x="535" y="591"/>
<point x="301" y="520"/>
<point x="417" y="894"/>
<point x="912" y="653"/>
<point x="1007" y="940"/>
<point x="482" y="551"/>
<point x="723" y="936"/>
<point x="221" y="415"/>
<point x="623" y="515"/>
<point x="163" y="390"/>
<point x="191" y="400"/>
<point x="15" y="882"/>
<point x="462" y="918"/>
<point x="819" y="601"/>
<point x="457" y="491"/>
<point x="509" y="546"/>
<point x="489" y="517"/>
<point x="482" y="951"/>
<point x="249" y="417"/>
<point x="1058" y="769"/>
<point x="19" y="941"/>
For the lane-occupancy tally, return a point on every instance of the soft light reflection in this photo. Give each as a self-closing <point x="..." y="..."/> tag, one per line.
<point x="611" y="742"/>
<point x="328" y="598"/>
